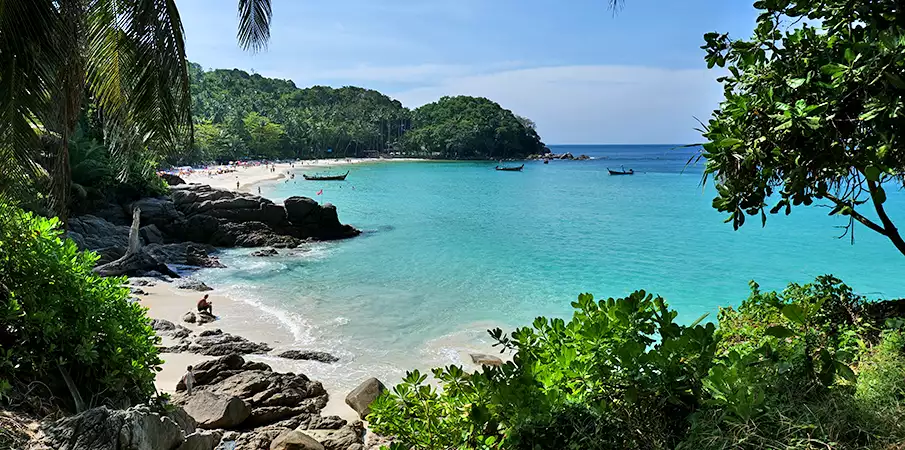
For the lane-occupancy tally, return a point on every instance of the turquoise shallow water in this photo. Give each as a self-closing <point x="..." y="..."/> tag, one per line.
<point x="452" y="248"/>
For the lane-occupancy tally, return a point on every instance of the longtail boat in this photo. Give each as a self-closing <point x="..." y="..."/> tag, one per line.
<point x="621" y="172"/>
<point x="511" y="169"/>
<point x="316" y="177"/>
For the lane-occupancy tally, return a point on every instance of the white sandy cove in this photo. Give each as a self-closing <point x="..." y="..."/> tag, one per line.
<point x="249" y="176"/>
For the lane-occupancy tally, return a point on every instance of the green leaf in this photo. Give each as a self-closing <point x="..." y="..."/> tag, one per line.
<point x="794" y="313"/>
<point x="730" y="142"/>
<point x="879" y="195"/>
<point x="872" y="173"/>
<point x="894" y="80"/>
<point x="780" y="332"/>
<point x="796" y="83"/>
<point x="844" y="371"/>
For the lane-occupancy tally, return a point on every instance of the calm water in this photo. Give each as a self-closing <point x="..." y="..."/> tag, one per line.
<point x="454" y="248"/>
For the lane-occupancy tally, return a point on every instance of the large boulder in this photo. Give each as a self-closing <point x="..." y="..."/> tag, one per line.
<point x="157" y="211"/>
<point x="264" y="252"/>
<point x="299" y="208"/>
<point x="184" y="254"/>
<point x="201" y="440"/>
<point x="172" y="180"/>
<point x="136" y="428"/>
<point x="109" y="254"/>
<point x="360" y="398"/>
<point x="214" y="410"/>
<point x="151" y="235"/>
<point x="486" y="360"/>
<point x="218" y="343"/>
<point x="98" y="233"/>
<point x="309" y="355"/>
<point x="193" y="285"/>
<point x="344" y="438"/>
<point x="295" y="440"/>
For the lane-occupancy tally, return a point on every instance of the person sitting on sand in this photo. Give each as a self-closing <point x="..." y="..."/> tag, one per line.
<point x="205" y="306"/>
<point x="189" y="380"/>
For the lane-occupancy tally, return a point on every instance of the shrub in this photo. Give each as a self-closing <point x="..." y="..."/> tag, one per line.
<point x="64" y="328"/>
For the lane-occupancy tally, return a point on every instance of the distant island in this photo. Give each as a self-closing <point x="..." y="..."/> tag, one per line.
<point x="238" y="115"/>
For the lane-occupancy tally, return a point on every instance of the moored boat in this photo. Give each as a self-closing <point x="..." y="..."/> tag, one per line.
<point x="511" y="169"/>
<point x="621" y="172"/>
<point x="317" y="177"/>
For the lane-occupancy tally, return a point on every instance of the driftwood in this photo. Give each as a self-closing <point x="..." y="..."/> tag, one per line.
<point x="135" y="261"/>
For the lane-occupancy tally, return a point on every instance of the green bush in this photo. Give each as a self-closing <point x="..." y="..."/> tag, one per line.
<point x="621" y="374"/>
<point x="59" y="320"/>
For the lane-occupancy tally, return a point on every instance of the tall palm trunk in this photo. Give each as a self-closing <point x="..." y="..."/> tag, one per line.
<point x="67" y="99"/>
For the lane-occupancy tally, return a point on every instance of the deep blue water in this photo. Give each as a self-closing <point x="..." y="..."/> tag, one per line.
<point x="452" y="248"/>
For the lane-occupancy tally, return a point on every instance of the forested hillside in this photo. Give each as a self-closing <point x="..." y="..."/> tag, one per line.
<point x="241" y="115"/>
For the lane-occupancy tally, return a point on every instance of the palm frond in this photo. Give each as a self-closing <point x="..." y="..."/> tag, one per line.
<point x="254" y="24"/>
<point x="29" y="63"/>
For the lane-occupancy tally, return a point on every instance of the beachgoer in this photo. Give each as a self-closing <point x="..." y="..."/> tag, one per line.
<point x="259" y="190"/>
<point x="237" y="185"/>
<point x="189" y="380"/>
<point x="205" y="306"/>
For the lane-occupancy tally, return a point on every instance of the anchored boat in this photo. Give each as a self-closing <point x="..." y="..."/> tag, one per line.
<point x="317" y="177"/>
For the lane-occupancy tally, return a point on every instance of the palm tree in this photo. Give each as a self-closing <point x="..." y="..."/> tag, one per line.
<point x="127" y="56"/>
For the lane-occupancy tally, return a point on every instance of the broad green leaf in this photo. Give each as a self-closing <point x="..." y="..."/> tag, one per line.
<point x="844" y="371"/>
<point x="872" y="173"/>
<point x="780" y="332"/>
<point x="879" y="195"/>
<point x="794" y="313"/>
<point x="796" y="83"/>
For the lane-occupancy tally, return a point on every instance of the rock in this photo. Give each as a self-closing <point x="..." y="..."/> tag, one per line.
<point x="485" y="360"/>
<point x="212" y="410"/>
<point x="319" y="221"/>
<point x="197" y="228"/>
<point x="109" y="254"/>
<point x="295" y="440"/>
<point x="214" y="370"/>
<point x="360" y="398"/>
<point x="342" y="439"/>
<point x="299" y="208"/>
<point x="137" y="264"/>
<point x="189" y="317"/>
<point x="264" y="252"/>
<point x="135" y="281"/>
<point x="201" y="440"/>
<point x="172" y="180"/>
<point x="184" y="254"/>
<point x="186" y="423"/>
<point x="137" y="291"/>
<point x="157" y="211"/>
<point x="136" y="428"/>
<point x="218" y="343"/>
<point x="162" y="325"/>
<point x="151" y="234"/>
<point x="193" y="285"/>
<point x="97" y="233"/>
<point x="309" y="355"/>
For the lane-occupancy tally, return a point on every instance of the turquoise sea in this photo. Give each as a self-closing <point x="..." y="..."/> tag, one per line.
<point x="452" y="248"/>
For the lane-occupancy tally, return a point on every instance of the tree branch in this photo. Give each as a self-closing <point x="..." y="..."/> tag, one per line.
<point x="856" y="215"/>
<point x="890" y="228"/>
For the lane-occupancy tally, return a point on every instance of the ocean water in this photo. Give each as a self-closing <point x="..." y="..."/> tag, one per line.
<point x="451" y="249"/>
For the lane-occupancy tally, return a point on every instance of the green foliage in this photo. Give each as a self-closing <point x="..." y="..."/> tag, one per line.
<point x="58" y="318"/>
<point x="470" y="127"/>
<point x="779" y="372"/>
<point x="811" y="113"/>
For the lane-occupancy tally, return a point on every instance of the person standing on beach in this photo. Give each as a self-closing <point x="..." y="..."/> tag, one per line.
<point x="188" y="380"/>
<point x="237" y="185"/>
<point x="259" y="190"/>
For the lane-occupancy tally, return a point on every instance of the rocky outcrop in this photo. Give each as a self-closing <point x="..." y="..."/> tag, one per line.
<point x="172" y="180"/>
<point x="309" y="355"/>
<point x="360" y="398"/>
<point x="295" y="440"/>
<point x="486" y="360"/>
<point x="214" y="410"/>
<point x="317" y="220"/>
<point x="264" y="252"/>
<point x="198" y="318"/>
<point x="184" y="254"/>
<point x="192" y="284"/>
<point x="136" y="428"/>
<point x="213" y="343"/>
<point x="92" y="233"/>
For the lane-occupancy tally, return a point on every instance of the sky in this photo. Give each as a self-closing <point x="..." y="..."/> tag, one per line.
<point x="584" y="74"/>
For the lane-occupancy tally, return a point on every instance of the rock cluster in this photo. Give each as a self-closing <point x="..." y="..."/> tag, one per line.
<point x="210" y="342"/>
<point x="183" y="228"/>
<point x="266" y="409"/>
<point x="566" y="156"/>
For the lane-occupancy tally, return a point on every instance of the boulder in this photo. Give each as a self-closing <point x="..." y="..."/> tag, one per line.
<point x="137" y="291"/>
<point x="212" y="410"/>
<point x="113" y="213"/>
<point x="198" y="318"/>
<point x="264" y="252"/>
<point x="162" y="325"/>
<point x="214" y="370"/>
<point x="151" y="235"/>
<point x="344" y="438"/>
<point x="360" y="398"/>
<point x="299" y="208"/>
<point x="192" y="285"/>
<point x="184" y="254"/>
<point x="199" y="228"/>
<point x="201" y="440"/>
<point x="190" y="317"/>
<point x="485" y="360"/>
<point x="157" y="211"/>
<point x="109" y="254"/>
<point x="98" y="233"/>
<point x="309" y="355"/>
<point x="218" y="343"/>
<point x="172" y="180"/>
<point x="295" y="440"/>
<point x="136" y="428"/>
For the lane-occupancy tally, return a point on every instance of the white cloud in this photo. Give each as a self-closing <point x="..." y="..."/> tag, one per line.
<point x="593" y="104"/>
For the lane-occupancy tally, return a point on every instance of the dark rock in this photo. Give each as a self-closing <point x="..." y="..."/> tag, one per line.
<point x="299" y="208"/>
<point x="113" y="213"/>
<point x="342" y="439"/>
<point x="264" y="252"/>
<point x="360" y="398"/>
<point x="193" y="285"/>
<point x="198" y="318"/>
<point x="162" y="325"/>
<point x="214" y="410"/>
<point x="189" y="317"/>
<point x="109" y="254"/>
<point x="309" y="355"/>
<point x="137" y="264"/>
<point x="157" y="211"/>
<point x="486" y="360"/>
<point x="151" y="235"/>
<point x="295" y="440"/>
<point x="180" y="332"/>
<point x="184" y="254"/>
<point x="137" y="291"/>
<point x="198" y="228"/>
<point x="98" y="233"/>
<point x="172" y="180"/>
<point x="136" y="428"/>
<point x="135" y="281"/>
<point x="218" y="343"/>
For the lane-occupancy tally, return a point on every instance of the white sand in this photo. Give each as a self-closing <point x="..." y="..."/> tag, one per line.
<point x="249" y="176"/>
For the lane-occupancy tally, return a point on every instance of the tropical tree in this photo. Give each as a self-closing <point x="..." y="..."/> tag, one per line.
<point x="126" y="56"/>
<point x="813" y="111"/>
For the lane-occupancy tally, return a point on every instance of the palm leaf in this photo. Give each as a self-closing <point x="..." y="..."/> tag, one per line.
<point x="254" y="24"/>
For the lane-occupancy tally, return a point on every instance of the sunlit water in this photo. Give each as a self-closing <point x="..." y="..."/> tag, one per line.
<point x="452" y="248"/>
